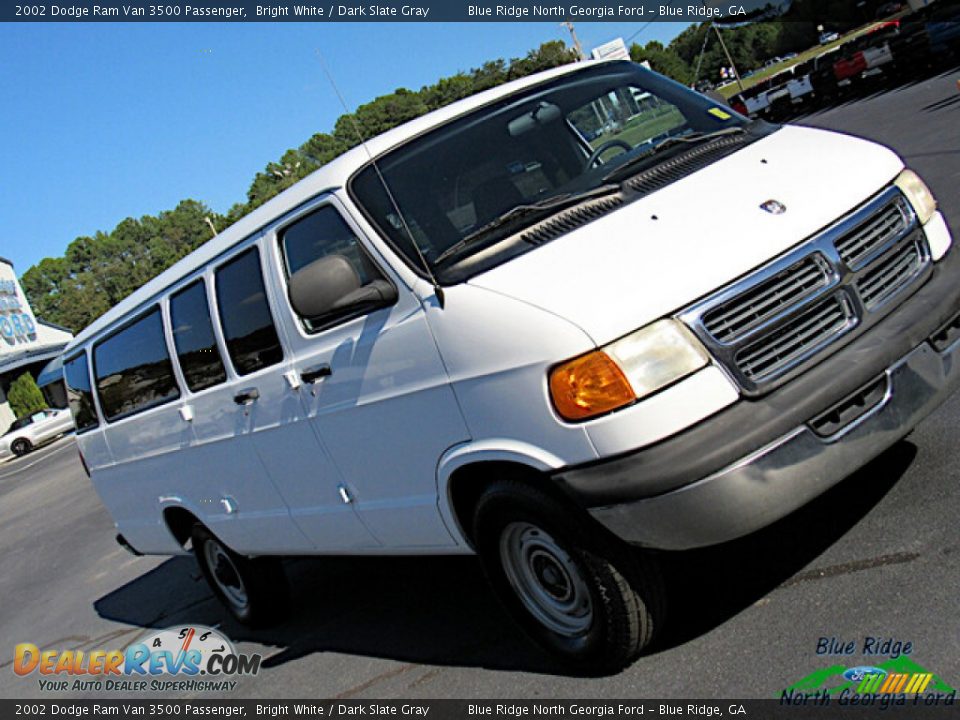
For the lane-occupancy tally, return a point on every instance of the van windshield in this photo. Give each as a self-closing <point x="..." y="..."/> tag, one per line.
<point x="465" y="190"/>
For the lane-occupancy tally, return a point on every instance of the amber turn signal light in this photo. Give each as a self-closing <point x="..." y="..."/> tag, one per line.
<point x="589" y="385"/>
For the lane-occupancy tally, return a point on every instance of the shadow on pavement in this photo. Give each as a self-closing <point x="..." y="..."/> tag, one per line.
<point x="709" y="586"/>
<point x="435" y="610"/>
<point x="948" y="101"/>
<point x="438" y="610"/>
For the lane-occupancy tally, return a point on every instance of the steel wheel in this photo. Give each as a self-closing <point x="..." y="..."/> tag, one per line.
<point x="226" y="575"/>
<point x="546" y="579"/>
<point x="574" y="589"/>
<point x="253" y="589"/>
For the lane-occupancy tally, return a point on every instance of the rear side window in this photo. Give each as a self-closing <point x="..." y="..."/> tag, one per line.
<point x="133" y="368"/>
<point x="193" y="337"/>
<point x="79" y="393"/>
<point x="248" y="328"/>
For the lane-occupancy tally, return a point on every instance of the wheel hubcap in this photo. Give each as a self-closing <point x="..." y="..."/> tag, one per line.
<point x="546" y="579"/>
<point x="225" y="574"/>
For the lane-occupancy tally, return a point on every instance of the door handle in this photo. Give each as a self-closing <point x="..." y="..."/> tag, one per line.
<point x="311" y="375"/>
<point x="245" y="397"/>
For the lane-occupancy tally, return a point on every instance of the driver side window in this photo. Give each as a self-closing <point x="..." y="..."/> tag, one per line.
<point x="324" y="233"/>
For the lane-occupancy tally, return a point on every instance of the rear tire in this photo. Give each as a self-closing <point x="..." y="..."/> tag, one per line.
<point x="21" y="447"/>
<point x="254" y="590"/>
<point x="577" y="591"/>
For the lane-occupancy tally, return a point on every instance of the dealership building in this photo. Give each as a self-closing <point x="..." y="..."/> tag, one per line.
<point x="27" y="344"/>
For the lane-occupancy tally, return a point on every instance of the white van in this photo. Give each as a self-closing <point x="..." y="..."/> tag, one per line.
<point x="542" y="324"/>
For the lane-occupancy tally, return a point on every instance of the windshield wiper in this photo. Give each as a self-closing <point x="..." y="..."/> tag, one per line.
<point x="546" y="206"/>
<point x="620" y="172"/>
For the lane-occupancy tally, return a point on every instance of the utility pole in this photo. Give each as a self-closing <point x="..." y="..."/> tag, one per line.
<point x="576" y="42"/>
<point x="736" y="73"/>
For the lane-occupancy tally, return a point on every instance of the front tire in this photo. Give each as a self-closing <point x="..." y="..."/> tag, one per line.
<point x="21" y="447"/>
<point x="254" y="590"/>
<point x="579" y="593"/>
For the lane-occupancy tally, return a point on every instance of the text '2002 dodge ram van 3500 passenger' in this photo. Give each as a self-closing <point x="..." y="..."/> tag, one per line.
<point x="581" y="313"/>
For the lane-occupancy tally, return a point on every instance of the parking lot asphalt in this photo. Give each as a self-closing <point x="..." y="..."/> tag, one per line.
<point x="878" y="556"/>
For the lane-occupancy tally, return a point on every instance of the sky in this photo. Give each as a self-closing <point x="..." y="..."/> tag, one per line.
<point x="104" y="121"/>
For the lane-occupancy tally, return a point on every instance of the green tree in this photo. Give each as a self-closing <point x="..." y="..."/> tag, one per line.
<point x="488" y="75"/>
<point x="549" y="55"/>
<point x="24" y="396"/>
<point x="97" y="272"/>
<point x="378" y="116"/>
<point x="447" y="90"/>
<point x="277" y="177"/>
<point x="664" y="60"/>
<point x="321" y="149"/>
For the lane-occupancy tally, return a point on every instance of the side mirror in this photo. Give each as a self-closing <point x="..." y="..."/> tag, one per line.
<point x="376" y="292"/>
<point x="332" y="284"/>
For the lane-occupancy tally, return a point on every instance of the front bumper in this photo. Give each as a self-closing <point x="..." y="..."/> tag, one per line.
<point x="791" y="471"/>
<point x="761" y="459"/>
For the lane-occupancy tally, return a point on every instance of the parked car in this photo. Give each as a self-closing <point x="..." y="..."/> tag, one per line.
<point x="822" y="77"/>
<point x="849" y="67"/>
<point x="756" y="100"/>
<point x="828" y="37"/>
<point x="800" y="87"/>
<point x="33" y="430"/>
<point x="481" y="332"/>
<point x="889" y="8"/>
<point x="943" y="29"/>
<point x="911" y="46"/>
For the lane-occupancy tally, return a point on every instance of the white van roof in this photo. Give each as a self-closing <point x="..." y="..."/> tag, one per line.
<point x="331" y="176"/>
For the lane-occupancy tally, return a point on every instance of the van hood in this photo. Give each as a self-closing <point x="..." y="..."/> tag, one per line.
<point x="674" y="246"/>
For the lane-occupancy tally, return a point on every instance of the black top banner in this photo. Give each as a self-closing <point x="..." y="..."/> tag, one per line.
<point x="382" y="11"/>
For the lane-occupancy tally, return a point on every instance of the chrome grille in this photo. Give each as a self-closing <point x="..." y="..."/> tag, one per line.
<point x="858" y="244"/>
<point x="801" y="336"/>
<point x="750" y="309"/>
<point x="769" y="326"/>
<point x="885" y="277"/>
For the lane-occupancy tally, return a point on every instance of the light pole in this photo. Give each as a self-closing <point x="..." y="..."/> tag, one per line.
<point x="576" y="41"/>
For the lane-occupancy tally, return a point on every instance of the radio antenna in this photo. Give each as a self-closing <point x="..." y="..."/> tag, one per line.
<point x="438" y="291"/>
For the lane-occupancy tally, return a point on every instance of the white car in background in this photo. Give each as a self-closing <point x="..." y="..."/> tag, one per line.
<point x="33" y="430"/>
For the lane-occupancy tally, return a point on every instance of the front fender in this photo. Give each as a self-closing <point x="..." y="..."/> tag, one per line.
<point x="502" y="450"/>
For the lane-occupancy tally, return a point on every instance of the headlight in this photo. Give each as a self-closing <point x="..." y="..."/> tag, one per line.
<point x="919" y="195"/>
<point x="626" y="370"/>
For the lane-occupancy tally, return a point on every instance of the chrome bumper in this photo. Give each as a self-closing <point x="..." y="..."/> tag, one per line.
<point x="789" y="472"/>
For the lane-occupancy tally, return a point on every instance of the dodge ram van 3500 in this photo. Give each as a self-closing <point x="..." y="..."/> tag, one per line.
<point x="561" y="324"/>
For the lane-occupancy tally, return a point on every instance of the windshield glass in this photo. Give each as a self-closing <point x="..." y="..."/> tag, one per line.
<point x="480" y="179"/>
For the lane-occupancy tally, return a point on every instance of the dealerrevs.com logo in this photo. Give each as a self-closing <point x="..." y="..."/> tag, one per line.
<point x="185" y="659"/>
